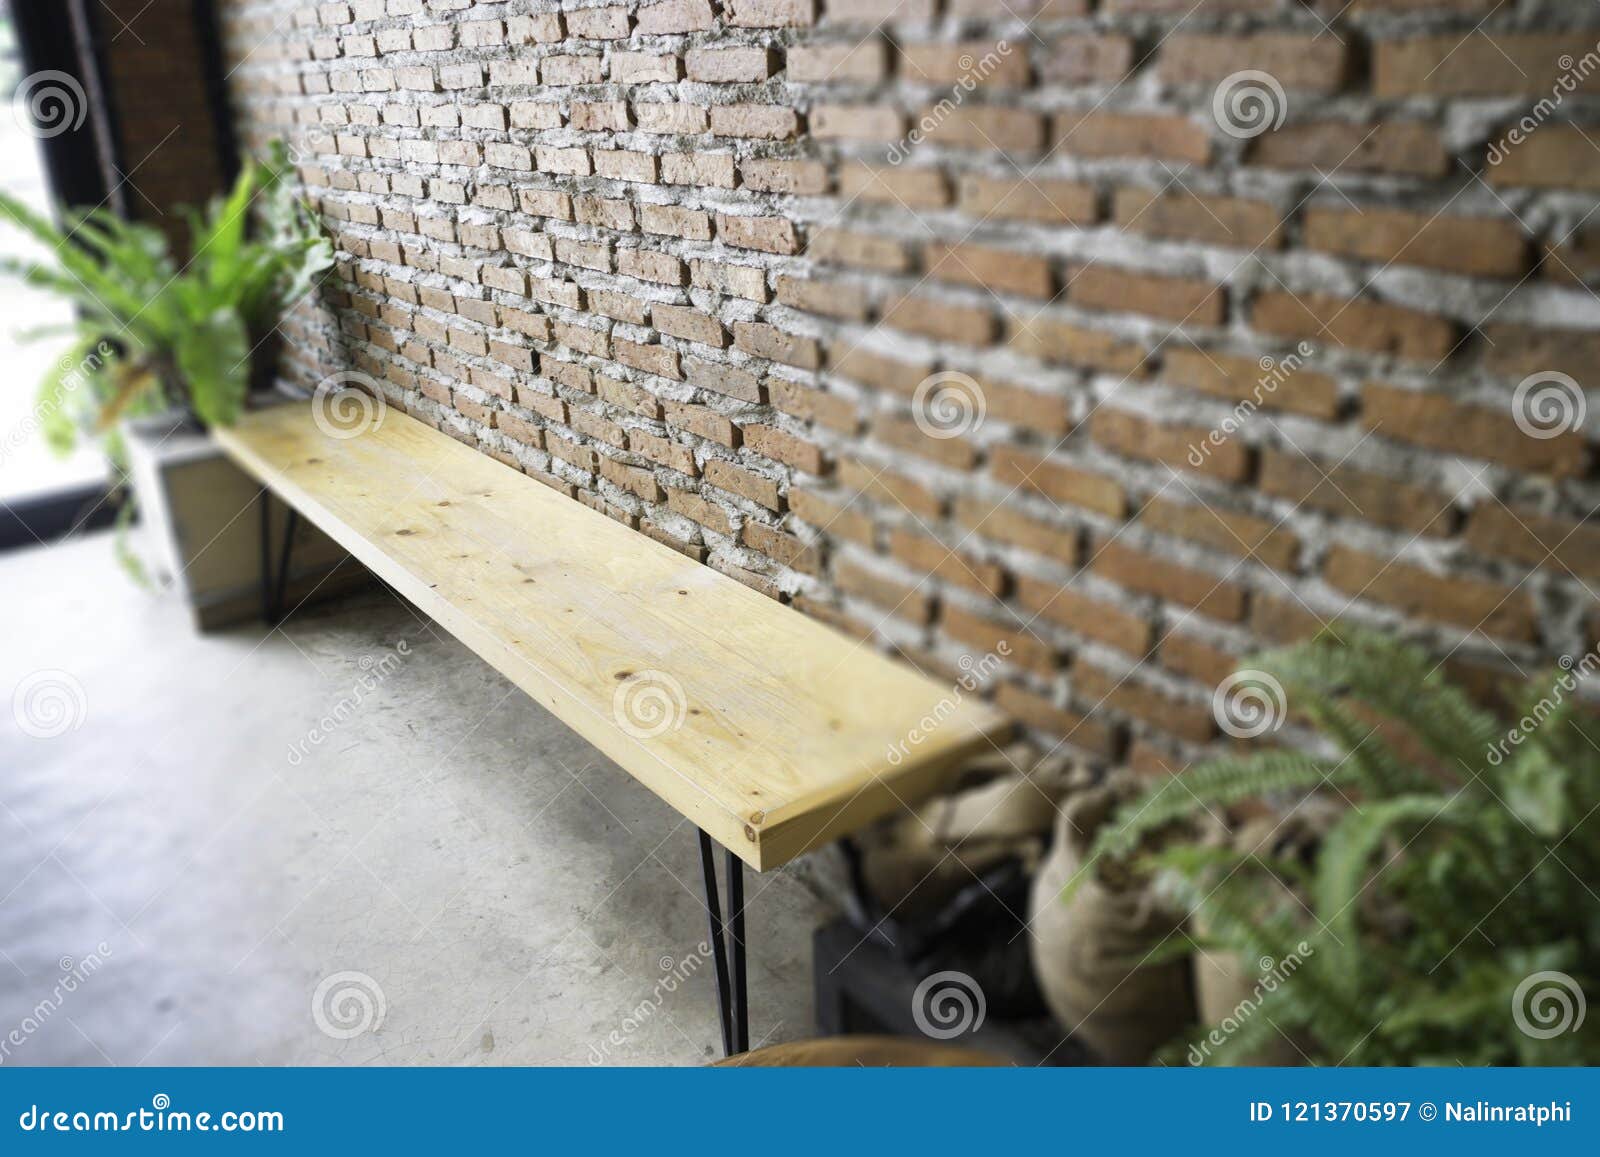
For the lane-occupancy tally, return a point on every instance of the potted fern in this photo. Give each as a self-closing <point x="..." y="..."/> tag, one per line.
<point x="1449" y="912"/>
<point x="156" y="334"/>
<point x="165" y="345"/>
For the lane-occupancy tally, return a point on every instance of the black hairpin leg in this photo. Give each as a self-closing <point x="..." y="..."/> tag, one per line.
<point x="275" y="586"/>
<point x="727" y="948"/>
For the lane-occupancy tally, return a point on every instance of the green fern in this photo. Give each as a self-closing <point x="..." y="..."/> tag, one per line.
<point x="1448" y="881"/>
<point x="178" y="334"/>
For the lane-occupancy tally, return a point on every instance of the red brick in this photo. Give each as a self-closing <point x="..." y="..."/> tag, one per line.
<point x="1229" y="531"/>
<point x="782" y="446"/>
<point x="1180" y="447"/>
<point x="1368" y="325"/>
<point x="1498" y="63"/>
<point x="994" y="519"/>
<point x="1405" y="147"/>
<point x="745" y="483"/>
<point x="1208" y="594"/>
<point x="1187" y="719"/>
<point x="900" y="599"/>
<point x="923" y="553"/>
<point x="1477" y="246"/>
<point x="1440" y="423"/>
<point x="1032" y="198"/>
<point x="1080" y="731"/>
<point x="1000" y="270"/>
<point x="1085" y="615"/>
<point x="1179" y="214"/>
<point x="1350" y="493"/>
<point x="1098" y="133"/>
<point x="1554" y="157"/>
<point x="1008" y="130"/>
<point x="1053" y="340"/>
<point x="965" y="324"/>
<point x="1185" y="300"/>
<point x="982" y="636"/>
<point x="1058" y="481"/>
<point x="1270" y="383"/>
<point x="1536" y="539"/>
<point x="1471" y="604"/>
<point x="1312" y="63"/>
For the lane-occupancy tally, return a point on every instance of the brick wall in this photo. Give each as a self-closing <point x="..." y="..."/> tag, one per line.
<point x="1128" y="333"/>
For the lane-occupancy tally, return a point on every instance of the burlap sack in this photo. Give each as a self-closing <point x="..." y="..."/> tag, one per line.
<point x="1092" y="952"/>
<point x="1229" y="989"/>
<point x="915" y="862"/>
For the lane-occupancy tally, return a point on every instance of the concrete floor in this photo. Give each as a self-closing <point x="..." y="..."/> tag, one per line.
<point x="444" y="875"/>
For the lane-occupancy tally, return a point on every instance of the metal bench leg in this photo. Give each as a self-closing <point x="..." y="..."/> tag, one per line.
<point x="274" y="587"/>
<point x="727" y="946"/>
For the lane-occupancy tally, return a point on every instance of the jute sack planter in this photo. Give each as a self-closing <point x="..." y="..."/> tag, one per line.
<point x="1092" y="952"/>
<point x="916" y="861"/>
<point x="1230" y="989"/>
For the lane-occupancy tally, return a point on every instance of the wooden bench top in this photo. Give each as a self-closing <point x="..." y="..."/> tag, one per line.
<point x="767" y="729"/>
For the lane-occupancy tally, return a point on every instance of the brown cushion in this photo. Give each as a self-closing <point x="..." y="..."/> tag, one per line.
<point x="871" y="1052"/>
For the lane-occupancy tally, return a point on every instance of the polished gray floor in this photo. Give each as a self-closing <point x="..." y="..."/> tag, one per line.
<point x="345" y="841"/>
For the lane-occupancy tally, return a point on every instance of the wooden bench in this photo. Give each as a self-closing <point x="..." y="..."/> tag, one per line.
<point x="772" y="733"/>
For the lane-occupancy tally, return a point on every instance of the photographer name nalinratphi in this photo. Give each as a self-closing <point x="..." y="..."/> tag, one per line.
<point x="1484" y="1113"/>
